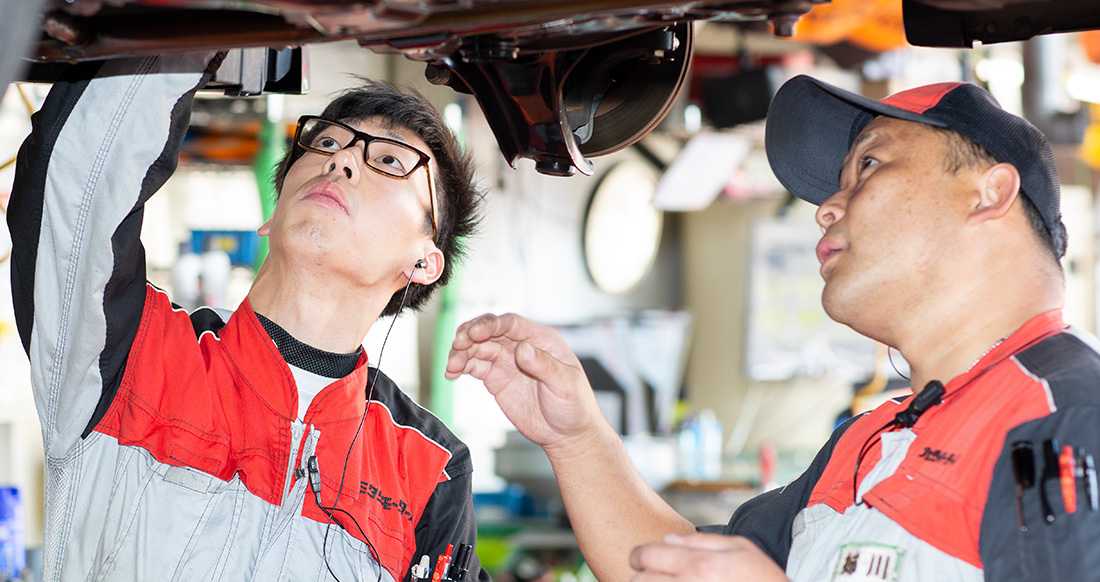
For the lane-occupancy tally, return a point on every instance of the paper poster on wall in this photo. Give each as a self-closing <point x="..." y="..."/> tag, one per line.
<point x="789" y="333"/>
<point x="701" y="171"/>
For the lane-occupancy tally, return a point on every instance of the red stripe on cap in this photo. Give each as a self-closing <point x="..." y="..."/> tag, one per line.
<point x="921" y="99"/>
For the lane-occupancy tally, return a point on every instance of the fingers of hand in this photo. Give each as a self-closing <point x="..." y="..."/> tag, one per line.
<point x="661" y="558"/>
<point x="564" y="382"/>
<point x="488" y="327"/>
<point x="533" y="361"/>
<point x="703" y="557"/>
<point x="480" y="337"/>
<point x="475" y="330"/>
<point x="537" y="349"/>
<point x="461" y="362"/>
<point x="707" y="541"/>
<point x="647" y="576"/>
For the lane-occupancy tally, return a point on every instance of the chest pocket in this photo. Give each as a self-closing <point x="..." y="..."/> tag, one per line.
<point x="169" y="523"/>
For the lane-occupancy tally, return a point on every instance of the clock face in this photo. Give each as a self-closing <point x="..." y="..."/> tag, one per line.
<point x="622" y="228"/>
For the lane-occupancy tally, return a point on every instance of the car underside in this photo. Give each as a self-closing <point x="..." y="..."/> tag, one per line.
<point x="559" y="80"/>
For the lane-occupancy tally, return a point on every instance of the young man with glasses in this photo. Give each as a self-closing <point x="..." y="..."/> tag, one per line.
<point x="256" y="445"/>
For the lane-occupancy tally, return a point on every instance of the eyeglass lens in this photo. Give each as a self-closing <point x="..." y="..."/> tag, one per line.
<point x="386" y="156"/>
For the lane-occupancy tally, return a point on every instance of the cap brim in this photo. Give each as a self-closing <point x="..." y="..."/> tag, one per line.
<point x="810" y="127"/>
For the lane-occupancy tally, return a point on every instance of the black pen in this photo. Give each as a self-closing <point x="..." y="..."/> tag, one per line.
<point x="1089" y="474"/>
<point x="452" y="572"/>
<point x="463" y="562"/>
<point x="1050" y="471"/>
<point x="1023" y="467"/>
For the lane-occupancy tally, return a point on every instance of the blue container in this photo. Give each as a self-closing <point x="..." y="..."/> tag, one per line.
<point x="13" y="544"/>
<point x="240" y="245"/>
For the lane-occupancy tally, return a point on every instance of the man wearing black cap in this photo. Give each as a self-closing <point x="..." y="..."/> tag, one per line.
<point x="942" y="236"/>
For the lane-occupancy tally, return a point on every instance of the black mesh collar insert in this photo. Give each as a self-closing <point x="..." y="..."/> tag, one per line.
<point x="309" y="358"/>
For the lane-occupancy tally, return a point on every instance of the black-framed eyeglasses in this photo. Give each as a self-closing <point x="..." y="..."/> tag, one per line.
<point x="386" y="156"/>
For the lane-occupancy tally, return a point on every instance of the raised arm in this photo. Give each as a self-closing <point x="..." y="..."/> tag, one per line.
<point x="105" y="140"/>
<point x="540" y="385"/>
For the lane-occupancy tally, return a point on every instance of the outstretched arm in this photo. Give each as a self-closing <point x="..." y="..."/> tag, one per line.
<point x="540" y="385"/>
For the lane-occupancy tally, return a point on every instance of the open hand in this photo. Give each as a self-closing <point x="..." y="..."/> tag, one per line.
<point x="536" y="379"/>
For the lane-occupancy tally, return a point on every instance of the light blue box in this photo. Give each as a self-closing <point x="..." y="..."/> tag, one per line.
<point x="13" y="544"/>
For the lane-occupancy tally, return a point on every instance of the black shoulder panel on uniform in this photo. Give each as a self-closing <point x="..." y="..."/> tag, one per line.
<point x="1070" y="385"/>
<point x="407" y="412"/>
<point x="205" y="319"/>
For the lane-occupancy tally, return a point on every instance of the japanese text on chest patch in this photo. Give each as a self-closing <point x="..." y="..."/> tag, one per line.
<point x="867" y="563"/>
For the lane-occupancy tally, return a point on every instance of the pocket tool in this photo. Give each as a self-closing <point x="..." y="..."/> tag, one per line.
<point x="1023" y="467"/>
<point x="1050" y="471"/>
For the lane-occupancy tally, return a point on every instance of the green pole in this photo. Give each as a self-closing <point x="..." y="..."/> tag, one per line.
<point x="271" y="150"/>
<point x="442" y="389"/>
<point x="441" y="401"/>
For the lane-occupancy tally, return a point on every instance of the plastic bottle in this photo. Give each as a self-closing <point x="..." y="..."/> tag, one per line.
<point x="709" y="441"/>
<point x="13" y="545"/>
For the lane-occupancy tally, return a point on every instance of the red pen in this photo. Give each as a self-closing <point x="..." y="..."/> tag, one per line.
<point x="1067" y="473"/>
<point x="441" y="564"/>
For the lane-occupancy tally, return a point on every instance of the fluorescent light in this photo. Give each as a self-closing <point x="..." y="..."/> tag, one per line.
<point x="1005" y="72"/>
<point x="1083" y="87"/>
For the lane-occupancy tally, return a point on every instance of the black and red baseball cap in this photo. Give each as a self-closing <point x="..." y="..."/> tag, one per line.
<point x="811" y="125"/>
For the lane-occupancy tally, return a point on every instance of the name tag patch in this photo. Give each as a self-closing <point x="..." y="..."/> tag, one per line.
<point x="867" y="563"/>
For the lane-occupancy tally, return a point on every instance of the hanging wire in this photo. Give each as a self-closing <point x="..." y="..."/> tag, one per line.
<point x="877" y="383"/>
<point x="890" y="351"/>
<point x="30" y="110"/>
<point x="330" y="511"/>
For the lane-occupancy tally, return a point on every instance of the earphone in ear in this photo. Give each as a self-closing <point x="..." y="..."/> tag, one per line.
<point x="420" y="264"/>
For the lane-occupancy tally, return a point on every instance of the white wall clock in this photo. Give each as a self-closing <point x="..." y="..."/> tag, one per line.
<point x="622" y="228"/>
